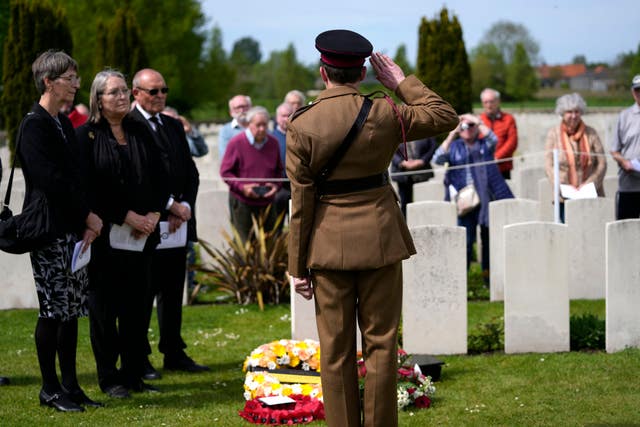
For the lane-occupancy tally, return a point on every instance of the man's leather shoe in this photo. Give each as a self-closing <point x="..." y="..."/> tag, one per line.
<point x="4" y="381"/>
<point x="184" y="363"/>
<point x="149" y="372"/>
<point x="141" y="387"/>
<point x="117" y="391"/>
<point x="59" y="401"/>
<point x="78" y="397"/>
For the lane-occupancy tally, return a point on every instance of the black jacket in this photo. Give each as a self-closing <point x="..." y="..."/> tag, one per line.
<point x="183" y="178"/>
<point x="49" y="158"/>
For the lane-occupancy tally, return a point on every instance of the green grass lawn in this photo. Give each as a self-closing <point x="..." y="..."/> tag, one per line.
<point x="562" y="389"/>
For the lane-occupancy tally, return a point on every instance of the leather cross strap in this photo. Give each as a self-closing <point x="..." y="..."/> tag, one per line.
<point x="346" y="143"/>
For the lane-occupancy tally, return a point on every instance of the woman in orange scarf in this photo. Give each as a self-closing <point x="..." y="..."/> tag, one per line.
<point x="580" y="152"/>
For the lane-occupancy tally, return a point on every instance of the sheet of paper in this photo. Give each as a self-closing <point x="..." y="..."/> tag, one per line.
<point x="177" y="239"/>
<point x="588" y="191"/>
<point x="120" y="238"/>
<point x="79" y="259"/>
<point x="276" y="400"/>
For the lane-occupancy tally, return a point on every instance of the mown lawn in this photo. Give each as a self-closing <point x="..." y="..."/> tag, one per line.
<point x="568" y="389"/>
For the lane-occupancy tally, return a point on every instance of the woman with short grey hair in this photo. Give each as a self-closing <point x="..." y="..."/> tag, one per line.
<point x="48" y="152"/>
<point x="580" y="151"/>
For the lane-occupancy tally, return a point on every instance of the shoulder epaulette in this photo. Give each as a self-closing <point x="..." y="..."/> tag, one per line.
<point x="302" y="110"/>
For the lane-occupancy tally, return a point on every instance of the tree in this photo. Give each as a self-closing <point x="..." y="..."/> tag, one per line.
<point x="635" y="64"/>
<point x="246" y="51"/>
<point x="579" y="59"/>
<point x="522" y="82"/>
<point x="487" y="68"/>
<point x="282" y="73"/>
<point x="442" y="60"/>
<point x="33" y="28"/>
<point x="121" y="45"/>
<point x="219" y="75"/>
<point x="4" y="26"/>
<point x="505" y="35"/>
<point x="400" y="58"/>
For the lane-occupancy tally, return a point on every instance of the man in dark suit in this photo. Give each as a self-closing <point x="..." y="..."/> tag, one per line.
<point x="169" y="265"/>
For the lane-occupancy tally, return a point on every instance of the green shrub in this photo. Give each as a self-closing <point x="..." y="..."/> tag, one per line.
<point x="587" y="332"/>
<point x="487" y="337"/>
<point x="253" y="271"/>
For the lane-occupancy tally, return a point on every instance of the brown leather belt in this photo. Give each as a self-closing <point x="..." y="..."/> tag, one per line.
<point x="344" y="186"/>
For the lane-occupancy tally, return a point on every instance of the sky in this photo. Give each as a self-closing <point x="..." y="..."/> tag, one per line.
<point x="597" y="29"/>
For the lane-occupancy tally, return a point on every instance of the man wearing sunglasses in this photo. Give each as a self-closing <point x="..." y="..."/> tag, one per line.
<point x="169" y="265"/>
<point x="625" y="150"/>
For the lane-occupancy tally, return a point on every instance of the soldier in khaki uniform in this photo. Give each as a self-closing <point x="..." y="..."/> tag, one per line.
<point x="347" y="235"/>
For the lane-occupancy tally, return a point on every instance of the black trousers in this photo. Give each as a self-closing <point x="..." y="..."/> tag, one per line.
<point x="628" y="205"/>
<point x="169" y="267"/>
<point x="117" y="298"/>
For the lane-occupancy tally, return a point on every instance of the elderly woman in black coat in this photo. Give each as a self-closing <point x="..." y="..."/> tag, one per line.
<point x="48" y="153"/>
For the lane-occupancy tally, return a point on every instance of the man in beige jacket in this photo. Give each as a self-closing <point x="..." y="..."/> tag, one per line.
<point x="347" y="235"/>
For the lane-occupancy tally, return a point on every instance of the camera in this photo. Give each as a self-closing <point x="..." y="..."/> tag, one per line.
<point x="261" y="190"/>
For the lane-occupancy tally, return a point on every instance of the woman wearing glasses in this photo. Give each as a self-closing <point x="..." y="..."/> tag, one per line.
<point x="124" y="176"/>
<point x="469" y="143"/>
<point x="48" y="154"/>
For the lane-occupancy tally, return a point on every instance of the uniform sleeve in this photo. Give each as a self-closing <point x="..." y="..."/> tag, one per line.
<point x="303" y="200"/>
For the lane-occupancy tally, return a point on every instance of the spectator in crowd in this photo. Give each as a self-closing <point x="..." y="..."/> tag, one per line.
<point x="168" y="265"/>
<point x="283" y="112"/>
<point x="347" y="237"/>
<point x="129" y="191"/>
<point x="419" y="154"/>
<point x="197" y="145"/>
<point x="503" y="125"/>
<point x="625" y="149"/>
<point x="252" y="154"/>
<point x="473" y="142"/>
<point x="580" y="152"/>
<point x="295" y="98"/>
<point x="238" y="107"/>
<point x="79" y="115"/>
<point x="49" y="155"/>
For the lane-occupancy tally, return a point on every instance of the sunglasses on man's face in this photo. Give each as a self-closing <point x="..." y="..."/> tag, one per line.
<point x="154" y="92"/>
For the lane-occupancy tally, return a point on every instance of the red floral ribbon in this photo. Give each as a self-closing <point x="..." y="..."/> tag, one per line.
<point x="303" y="411"/>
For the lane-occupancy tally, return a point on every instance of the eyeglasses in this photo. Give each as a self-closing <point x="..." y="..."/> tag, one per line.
<point x="466" y="126"/>
<point x="154" y="92"/>
<point x="117" y="92"/>
<point x="71" y="79"/>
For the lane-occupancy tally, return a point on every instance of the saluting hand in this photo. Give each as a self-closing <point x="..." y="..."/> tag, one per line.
<point x="387" y="72"/>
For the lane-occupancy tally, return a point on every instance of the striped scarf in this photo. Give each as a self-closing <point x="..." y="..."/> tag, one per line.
<point x="580" y="137"/>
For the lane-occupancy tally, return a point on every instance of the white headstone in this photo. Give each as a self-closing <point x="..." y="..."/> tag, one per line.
<point x="502" y="213"/>
<point x="623" y="280"/>
<point x="212" y="215"/>
<point x="431" y="213"/>
<point x="434" y="306"/>
<point x="303" y="318"/>
<point x="536" y="292"/>
<point x="17" y="288"/>
<point x="545" y="194"/>
<point x="528" y="182"/>
<point x="586" y="219"/>
<point x="428" y="190"/>
<point x="610" y="185"/>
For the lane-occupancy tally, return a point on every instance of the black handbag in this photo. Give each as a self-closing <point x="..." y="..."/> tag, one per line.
<point x="31" y="229"/>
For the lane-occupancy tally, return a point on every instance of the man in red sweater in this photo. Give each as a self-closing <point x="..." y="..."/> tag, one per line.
<point x="503" y="125"/>
<point x="255" y="154"/>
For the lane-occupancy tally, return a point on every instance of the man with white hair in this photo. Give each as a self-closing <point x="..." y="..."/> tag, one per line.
<point x="252" y="154"/>
<point x="503" y="125"/>
<point x="625" y="150"/>
<point x="238" y="107"/>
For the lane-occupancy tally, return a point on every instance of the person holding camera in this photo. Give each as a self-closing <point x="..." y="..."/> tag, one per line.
<point x="252" y="154"/>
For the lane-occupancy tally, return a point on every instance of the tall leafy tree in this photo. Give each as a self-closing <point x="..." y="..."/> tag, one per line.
<point x="487" y="68"/>
<point x="401" y="59"/>
<point x="442" y="60"/>
<point x="4" y="27"/>
<point x="34" y="27"/>
<point x="281" y="73"/>
<point x="635" y="64"/>
<point x="522" y="82"/>
<point x="245" y="56"/>
<point x="506" y="34"/>
<point x="218" y="73"/>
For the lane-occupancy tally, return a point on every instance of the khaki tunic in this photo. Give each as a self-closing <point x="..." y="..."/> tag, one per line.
<point x="360" y="230"/>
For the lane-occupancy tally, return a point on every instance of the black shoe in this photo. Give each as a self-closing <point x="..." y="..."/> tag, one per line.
<point x="4" y="381"/>
<point x="141" y="387"/>
<point x="183" y="363"/>
<point x="59" y="401"/>
<point x="78" y="397"/>
<point x="149" y="372"/>
<point x="117" y="391"/>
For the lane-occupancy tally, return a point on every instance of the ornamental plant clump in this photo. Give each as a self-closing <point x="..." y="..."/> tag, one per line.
<point x="253" y="271"/>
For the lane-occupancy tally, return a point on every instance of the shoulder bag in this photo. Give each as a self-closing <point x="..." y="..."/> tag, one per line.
<point x="31" y="229"/>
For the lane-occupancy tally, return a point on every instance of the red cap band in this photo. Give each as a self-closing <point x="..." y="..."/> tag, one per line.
<point x="342" y="61"/>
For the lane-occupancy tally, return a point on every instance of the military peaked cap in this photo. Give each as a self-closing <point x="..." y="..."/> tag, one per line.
<point x="343" y="48"/>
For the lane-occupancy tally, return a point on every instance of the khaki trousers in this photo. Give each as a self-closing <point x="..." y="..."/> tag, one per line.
<point x="375" y="297"/>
